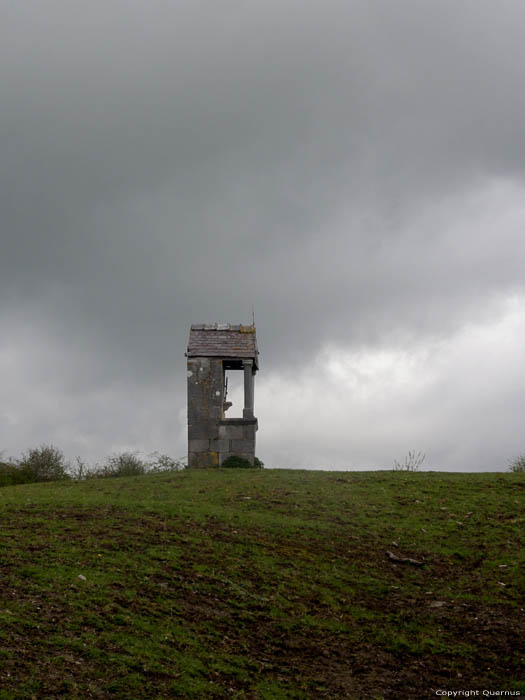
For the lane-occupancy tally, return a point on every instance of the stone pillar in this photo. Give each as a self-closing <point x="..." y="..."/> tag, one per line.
<point x="248" y="389"/>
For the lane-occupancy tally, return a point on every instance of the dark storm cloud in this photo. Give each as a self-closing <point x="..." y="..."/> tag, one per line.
<point x="342" y="166"/>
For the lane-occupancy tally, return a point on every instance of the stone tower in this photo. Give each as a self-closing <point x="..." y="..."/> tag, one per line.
<point x="213" y="349"/>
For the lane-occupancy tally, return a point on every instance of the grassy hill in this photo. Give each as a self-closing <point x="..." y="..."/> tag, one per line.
<point x="262" y="584"/>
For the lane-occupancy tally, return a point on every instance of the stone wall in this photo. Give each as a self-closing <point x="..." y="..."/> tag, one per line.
<point x="237" y="438"/>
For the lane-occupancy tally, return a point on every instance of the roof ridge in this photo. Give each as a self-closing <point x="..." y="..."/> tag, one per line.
<point x="243" y="328"/>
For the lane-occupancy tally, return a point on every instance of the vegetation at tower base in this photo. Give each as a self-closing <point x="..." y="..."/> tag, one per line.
<point x="258" y="583"/>
<point x="235" y="462"/>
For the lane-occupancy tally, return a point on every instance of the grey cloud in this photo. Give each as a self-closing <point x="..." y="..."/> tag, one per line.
<point x="348" y="168"/>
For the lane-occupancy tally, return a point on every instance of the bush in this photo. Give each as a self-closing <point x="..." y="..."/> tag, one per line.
<point x="81" y="470"/>
<point x="235" y="462"/>
<point x="123" y="464"/>
<point x="128" y="464"/>
<point x="517" y="464"/>
<point x="47" y="463"/>
<point x="164" y="463"/>
<point x="10" y="474"/>
<point x="411" y="464"/>
<point x="44" y="463"/>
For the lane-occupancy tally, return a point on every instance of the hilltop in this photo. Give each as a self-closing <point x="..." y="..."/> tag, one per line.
<point x="262" y="584"/>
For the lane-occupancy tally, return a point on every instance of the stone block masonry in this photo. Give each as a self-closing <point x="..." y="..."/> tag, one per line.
<point x="239" y="436"/>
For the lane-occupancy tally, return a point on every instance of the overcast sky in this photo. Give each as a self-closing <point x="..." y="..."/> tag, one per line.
<point x="353" y="169"/>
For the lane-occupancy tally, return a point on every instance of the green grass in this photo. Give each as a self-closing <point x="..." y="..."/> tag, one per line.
<point x="262" y="584"/>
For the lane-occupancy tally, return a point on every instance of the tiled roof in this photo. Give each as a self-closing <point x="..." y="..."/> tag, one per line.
<point x="222" y="340"/>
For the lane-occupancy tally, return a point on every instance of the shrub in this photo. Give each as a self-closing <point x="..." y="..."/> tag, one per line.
<point x="235" y="462"/>
<point x="44" y="463"/>
<point x="412" y="462"/>
<point x="517" y="464"/>
<point x="121" y="464"/>
<point x="81" y="470"/>
<point x="164" y="463"/>
<point x="10" y="474"/>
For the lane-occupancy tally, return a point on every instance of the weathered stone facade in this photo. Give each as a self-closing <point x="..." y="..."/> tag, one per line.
<point x="212" y="349"/>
